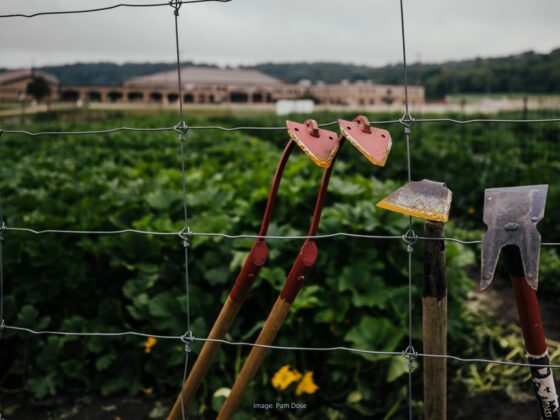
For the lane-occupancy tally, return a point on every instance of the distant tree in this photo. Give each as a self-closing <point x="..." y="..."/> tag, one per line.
<point x="39" y="88"/>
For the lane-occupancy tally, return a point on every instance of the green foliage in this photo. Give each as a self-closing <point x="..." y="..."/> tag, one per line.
<point x="549" y="272"/>
<point x="355" y="296"/>
<point x="503" y="341"/>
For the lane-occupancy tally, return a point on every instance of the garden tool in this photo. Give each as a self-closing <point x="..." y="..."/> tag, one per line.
<point x="321" y="147"/>
<point x="425" y="199"/>
<point x="431" y="201"/>
<point x="375" y="144"/>
<point x="511" y="215"/>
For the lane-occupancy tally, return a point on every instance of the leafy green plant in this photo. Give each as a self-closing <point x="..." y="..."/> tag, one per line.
<point x="356" y="295"/>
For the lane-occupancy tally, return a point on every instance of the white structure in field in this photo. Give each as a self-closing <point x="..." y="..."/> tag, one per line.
<point x="286" y="106"/>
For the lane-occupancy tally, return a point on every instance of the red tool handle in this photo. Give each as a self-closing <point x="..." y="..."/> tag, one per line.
<point x="294" y="282"/>
<point x="257" y="257"/>
<point x="533" y="336"/>
<point x="251" y="267"/>
<point x="300" y="269"/>
<point x="255" y="260"/>
<point x="308" y="253"/>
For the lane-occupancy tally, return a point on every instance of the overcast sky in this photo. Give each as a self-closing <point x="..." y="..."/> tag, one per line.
<point x="252" y="31"/>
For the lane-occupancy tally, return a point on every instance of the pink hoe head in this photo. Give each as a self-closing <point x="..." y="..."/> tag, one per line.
<point x="373" y="143"/>
<point x="318" y="144"/>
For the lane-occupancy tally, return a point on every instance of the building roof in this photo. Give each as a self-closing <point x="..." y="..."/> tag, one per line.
<point x="203" y="76"/>
<point x="11" y="76"/>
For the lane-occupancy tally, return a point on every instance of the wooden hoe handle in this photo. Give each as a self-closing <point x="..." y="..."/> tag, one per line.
<point x="245" y="279"/>
<point x="204" y="360"/>
<point x="253" y="263"/>
<point x="256" y="357"/>
<point x="294" y="282"/>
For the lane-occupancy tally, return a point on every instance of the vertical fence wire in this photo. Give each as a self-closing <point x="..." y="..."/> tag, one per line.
<point x="186" y="235"/>
<point x="2" y="232"/>
<point x="410" y="236"/>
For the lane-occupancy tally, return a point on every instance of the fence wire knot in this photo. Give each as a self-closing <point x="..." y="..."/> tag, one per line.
<point x="182" y="128"/>
<point x="410" y="238"/>
<point x="187" y="339"/>
<point x="186" y="235"/>
<point x="2" y="327"/>
<point x="176" y="4"/>
<point x="408" y="121"/>
<point x="3" y="229"/>
<point x="411" y="355"/>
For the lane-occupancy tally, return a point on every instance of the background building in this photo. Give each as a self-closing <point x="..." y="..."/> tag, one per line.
<point x="13" y="84"/>
<point x="209" y="85"/>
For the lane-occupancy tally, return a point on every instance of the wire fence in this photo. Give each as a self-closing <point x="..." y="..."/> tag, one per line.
<point x="185" y="234"/>
<point x="281" y="128"/>
<point x="111" y="7"/>
<point x="182" y="338"/>
<point x="250" y="236"/>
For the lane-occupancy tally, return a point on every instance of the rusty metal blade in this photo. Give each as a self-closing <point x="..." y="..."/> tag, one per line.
<point x="424" y="199"/>
<point x="511" y="215"/>
<point x="374" y="143"/>
<point x="318" y="144"/>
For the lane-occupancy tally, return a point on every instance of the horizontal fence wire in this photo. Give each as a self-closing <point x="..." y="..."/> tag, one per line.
<point x="85" y="132"/>
<point x="237" y="236"/>
<point x="245" y="236"/>
<point x="278" y="348"/>
<point x="487" y="120"/>
<point x="106" y="8"/>
<point x="278" y="128"/>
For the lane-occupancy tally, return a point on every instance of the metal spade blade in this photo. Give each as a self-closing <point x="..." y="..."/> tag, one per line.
<point x="511" y="215"/>
<point x="425" y="199"/>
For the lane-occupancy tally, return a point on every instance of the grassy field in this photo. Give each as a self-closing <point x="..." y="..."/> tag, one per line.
<point x="356" y="295"/>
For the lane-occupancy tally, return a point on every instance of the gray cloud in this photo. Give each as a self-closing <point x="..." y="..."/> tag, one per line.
<point x="250" y="31"/>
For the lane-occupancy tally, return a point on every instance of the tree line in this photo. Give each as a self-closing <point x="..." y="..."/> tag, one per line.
<point x="528" y="72"/>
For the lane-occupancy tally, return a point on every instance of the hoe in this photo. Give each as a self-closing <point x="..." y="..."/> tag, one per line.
<point x="375" y="144"/>
<point x="321" y="147"/>
<point x="430" y="201"/>
<point x="511" y="215"/>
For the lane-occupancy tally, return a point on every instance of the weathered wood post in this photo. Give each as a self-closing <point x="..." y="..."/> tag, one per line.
<point x="434" y="322"/>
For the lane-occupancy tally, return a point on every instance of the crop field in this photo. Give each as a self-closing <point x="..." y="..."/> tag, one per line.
<point x="356" y="295"/>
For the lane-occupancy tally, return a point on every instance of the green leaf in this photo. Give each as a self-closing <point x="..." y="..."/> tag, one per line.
<point x="367" y="288"/>
<point x="397" y="367"/>
<point x="216" y="276"/>
<point x="27" y="316"/>
<point x="307" y="298"/>
<point x="324" y="316"/>
<point x="375" y="334"/>
<point x="43" y="386"/>
<point x="162" y="199"/>
<point x="96" y="344"/>
<point x="115" y="384"/>
<point x="354" y="397"/>
<point x="105" y="361"/>
<point x="162" y="306"/>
